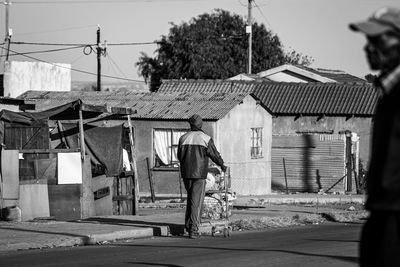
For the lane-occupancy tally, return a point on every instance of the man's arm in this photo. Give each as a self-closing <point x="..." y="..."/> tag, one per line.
<point x="179" y="153"/>
<point x="214" y="155"/>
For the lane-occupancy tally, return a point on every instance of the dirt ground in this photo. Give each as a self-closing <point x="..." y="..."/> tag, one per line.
<point x="279" y="215"/>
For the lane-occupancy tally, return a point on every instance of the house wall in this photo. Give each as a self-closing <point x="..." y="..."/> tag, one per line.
<point x="283" y="77"/>
<point x="20" y="77"/>
<point x="249" y="176"/>
<point x="166" y="181"/>
<point x="361" y="126"/>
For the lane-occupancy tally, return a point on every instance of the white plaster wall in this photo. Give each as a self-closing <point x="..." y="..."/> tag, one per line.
<point x="10" y="107"/>
<point x="20" y="77"/>
<point x="233" y="132"/>
<point x="283" y="77"/>
<point x="33" y="201"/>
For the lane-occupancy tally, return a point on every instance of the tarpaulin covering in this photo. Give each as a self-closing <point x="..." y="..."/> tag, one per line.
<point x="103" y="144"/>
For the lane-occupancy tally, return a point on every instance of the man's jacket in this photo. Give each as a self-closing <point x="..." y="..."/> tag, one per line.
<point x="195" y="147"/>
<point x="383" y="178"/>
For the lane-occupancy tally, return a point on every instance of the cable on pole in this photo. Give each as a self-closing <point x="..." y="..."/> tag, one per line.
<point x="44" y="51"/>
<point x="72" y="44"/>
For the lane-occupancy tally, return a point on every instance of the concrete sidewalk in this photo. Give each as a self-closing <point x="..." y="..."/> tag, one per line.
<point x="46" y="233"/>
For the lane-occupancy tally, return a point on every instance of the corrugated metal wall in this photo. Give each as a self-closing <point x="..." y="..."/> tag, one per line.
<point x="309" y="162"/>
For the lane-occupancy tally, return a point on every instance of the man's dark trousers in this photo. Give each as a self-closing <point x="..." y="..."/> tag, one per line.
<point x="195" y="189"/>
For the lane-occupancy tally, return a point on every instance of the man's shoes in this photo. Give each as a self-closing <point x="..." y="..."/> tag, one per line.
<point x="194" y="235"/>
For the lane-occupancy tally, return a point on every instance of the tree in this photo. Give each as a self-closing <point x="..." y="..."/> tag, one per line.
<point x="213" y="46"/>
<point x="371" y="78"/>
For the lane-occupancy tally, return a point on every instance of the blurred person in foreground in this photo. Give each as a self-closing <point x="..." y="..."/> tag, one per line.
<point x="380" y="237"/>
<point x="194" y="149"/>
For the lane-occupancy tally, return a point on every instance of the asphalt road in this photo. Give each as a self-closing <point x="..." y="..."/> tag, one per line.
<point x="314" y="245"/>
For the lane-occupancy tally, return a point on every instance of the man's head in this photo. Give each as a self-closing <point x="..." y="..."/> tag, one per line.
<point x="196" y="122"/>
<point x="382" y="30"/>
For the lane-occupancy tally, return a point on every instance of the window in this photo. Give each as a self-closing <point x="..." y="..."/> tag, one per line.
<point x="256" y="143"/>
<point x="166" y="147"/>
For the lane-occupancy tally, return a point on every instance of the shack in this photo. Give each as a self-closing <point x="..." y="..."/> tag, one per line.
<point x="61" y="162"/>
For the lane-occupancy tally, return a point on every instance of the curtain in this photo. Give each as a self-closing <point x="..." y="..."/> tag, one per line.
<point x="175" y="139"/>
<point x="162" y="143"/>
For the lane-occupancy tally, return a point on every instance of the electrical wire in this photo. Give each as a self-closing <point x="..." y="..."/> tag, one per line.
<point x="45" y="51"/>
<point x="76" y="59"/>
<point x="71" y="44"/>
<point x="111" y="66"/>
<point x="115" y="64"/>
<point x="139" y="43"/>
<point x="262" y="14"/>
<point x="98" y="1"/>
<point x="52" y="44"/>
<point x="72" y="69"/>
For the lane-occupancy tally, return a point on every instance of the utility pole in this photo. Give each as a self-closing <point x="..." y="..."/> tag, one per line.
<point x="250" y="35"/>
<point x="8" y="33"/>
<point x="99" y="52"/>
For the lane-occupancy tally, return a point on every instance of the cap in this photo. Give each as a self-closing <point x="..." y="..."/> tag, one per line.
<point x="386" y="19"/>
<point x="196" y="121"/>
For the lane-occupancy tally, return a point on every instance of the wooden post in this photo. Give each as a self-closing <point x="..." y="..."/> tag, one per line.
<point x="353" y="165"/>
<point x="151" y="182"/>
<point x="134" y="168"/>
<point x="348" y="162"/>
<point x="284" y="172"/>
<point x="83" y="152"/>
<point x="81" y="134"/>
<point x="61" y="132"/>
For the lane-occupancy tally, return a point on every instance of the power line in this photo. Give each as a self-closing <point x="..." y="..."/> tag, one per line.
<point x="139" y="43"/>
<point x="98" y="1"/>
<point x="109" y="58"/>
<point x="262" y="14"/>
<point x="73" y="69"/>
<point x="71" y="44"/>
<point x="52" y="44"/>
<point x="77" y="58"/>
<point x="44" y="51"/>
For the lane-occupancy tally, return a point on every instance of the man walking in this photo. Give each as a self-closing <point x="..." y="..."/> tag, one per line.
<point x="194" y="149"/>
<point x="380" y="238"/>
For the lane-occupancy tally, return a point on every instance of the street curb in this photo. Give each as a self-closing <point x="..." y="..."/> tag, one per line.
<point x="126" y="234"/>
<point x="86" y="240"/>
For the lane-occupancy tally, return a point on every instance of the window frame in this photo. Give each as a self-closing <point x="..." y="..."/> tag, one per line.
<point x="173" y="165"/>
<point x="256" y="143"/>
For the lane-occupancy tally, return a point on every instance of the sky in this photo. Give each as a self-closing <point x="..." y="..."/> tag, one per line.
<point x="317" y="28"/>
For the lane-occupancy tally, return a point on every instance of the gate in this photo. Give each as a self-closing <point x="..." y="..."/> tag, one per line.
<point x="123" y="195"/>
<point x="308" y="163"/>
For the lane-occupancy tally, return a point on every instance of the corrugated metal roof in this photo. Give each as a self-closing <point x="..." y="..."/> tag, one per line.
<point x="337" y="75"/>
<point x="232" y="86"/>
<point x="336" y="99"/>
<point x="176" y="105"/>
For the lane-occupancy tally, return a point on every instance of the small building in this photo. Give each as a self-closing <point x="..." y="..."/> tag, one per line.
<point x="300" y="74"/>
<point x="49" y="160"/>
<point x="237" y="121"/>
<point x="311" y="127"/>
<point x="21" y="76"/>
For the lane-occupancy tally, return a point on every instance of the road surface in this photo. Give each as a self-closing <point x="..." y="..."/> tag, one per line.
<point x="314" y="245"/>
